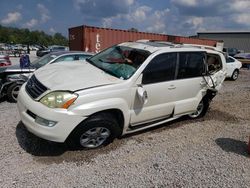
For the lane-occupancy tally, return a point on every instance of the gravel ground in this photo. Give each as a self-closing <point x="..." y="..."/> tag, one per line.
<point x="210" y="152"/>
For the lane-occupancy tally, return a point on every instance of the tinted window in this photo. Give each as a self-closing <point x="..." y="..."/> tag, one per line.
<point x="65" y="58"/>
<point x="161" y="68"/>
<point x="83" y="57"/>
<point x="43" y="60"/>
<point x="229" y="60"/>
<point x="191" y="64"/>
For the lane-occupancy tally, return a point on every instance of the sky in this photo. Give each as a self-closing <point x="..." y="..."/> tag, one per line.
<point x="175" y="17"/>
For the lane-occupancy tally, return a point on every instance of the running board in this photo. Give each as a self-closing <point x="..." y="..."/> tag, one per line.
<point x="140" y="127"/>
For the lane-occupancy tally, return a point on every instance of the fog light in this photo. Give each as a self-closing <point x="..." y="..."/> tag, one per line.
<point x="45" y="122"/>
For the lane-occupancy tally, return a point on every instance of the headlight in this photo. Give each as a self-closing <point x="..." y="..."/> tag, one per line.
<point x="59" y="99"/>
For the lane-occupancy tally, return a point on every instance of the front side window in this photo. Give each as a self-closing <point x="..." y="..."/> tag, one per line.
<point x="160" y="69"/>
<point x="119" y="61"/>
<point x="191" y="64"/>
<point x="43" y="60"/>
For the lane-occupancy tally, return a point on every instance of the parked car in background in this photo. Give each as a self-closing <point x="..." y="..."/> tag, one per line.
<point x="4" y="60"/>
<point x="54" y="48"/>
<point x="123" y="89"/>
<point x="11" y="78"/>
<point x="244" y="58"/>
<point x="231" y="51"/>
<point x="233" y="68"/>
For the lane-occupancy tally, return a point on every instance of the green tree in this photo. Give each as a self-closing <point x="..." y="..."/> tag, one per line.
<point x="25" y="36"/>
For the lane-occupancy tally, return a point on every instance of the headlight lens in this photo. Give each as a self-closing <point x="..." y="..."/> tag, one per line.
<point x="59" y="99"/>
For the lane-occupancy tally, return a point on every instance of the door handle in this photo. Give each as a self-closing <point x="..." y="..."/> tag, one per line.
<point x="171" y="87"/>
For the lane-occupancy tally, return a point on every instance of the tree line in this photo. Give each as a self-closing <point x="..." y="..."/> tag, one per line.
<point x="12" y="35"/>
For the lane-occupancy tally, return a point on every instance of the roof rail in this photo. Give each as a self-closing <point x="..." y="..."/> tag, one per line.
<point x="159" y="42"/>
<point x="202" y="47"/>
<point x="179" y="45"/>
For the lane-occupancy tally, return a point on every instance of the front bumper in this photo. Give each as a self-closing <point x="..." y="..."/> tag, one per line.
<point x="66" y="120"/>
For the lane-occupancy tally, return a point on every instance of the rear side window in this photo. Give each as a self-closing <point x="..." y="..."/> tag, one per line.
<point x="191" y="64"/>
<point x="160" y="69"/>
<point x="229" y="60"/>
<point x="214" y="63"/>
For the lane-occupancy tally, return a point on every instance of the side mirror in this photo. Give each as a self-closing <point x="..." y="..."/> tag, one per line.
<point x="142" y="94"/>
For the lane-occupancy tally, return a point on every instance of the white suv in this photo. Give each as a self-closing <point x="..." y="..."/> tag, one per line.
<point x="123" y="89"/>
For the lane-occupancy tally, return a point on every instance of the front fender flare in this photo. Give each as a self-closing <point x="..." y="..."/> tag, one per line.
<point x="88" y="109"/>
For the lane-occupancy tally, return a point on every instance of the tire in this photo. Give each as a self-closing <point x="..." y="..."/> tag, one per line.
<point x="201" y="109"/>
<point x="97" y="131"/>
<point x="12" y="92"/>
<point x="235" y="75"/>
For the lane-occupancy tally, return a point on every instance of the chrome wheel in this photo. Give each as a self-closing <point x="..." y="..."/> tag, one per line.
<point x="198" y="110"/>
<point x="94" y="137"/>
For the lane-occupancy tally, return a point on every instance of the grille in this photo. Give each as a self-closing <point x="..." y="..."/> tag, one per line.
<point x="35" y="88"/>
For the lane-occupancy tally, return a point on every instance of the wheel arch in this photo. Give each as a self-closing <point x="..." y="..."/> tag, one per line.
<point x="116" y="113"/>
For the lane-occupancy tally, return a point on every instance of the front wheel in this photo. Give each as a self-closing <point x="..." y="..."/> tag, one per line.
<point x="201" y="109"/>
<point x="12" y="92"/>
<point x="99" y="130"/>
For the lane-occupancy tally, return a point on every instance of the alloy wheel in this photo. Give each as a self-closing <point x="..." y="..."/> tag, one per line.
<point x="94" y="137"/>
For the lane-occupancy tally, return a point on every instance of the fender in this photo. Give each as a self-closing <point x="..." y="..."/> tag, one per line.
<point x="88" y="109"/>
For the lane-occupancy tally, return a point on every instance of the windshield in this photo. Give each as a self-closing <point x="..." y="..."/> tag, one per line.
<point x="119" y="61"/>
<point x="43" y="60"/>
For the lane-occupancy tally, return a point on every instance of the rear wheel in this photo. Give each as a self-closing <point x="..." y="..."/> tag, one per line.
<point x="12" y="92"/>
<point x="201" y="109"/>
<point x="99" y="130"/>
<point x="235" y="75"/>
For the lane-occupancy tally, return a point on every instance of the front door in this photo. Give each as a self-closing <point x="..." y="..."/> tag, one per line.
<point x="157" y="81"/>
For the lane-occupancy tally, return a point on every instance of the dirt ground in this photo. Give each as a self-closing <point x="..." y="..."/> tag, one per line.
<point x="209" y="152"/>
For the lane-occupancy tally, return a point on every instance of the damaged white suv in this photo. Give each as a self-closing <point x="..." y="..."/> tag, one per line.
<point x="123" y="89"/>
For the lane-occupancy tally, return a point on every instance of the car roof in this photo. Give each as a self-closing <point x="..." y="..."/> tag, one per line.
<point x="153" y="46"/>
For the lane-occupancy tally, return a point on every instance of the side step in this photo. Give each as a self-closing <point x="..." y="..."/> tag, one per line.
<point x="140" y="127"/>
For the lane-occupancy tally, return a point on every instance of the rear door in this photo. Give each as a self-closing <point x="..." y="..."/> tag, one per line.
<point x="217" y="69"/>
<point x="189" y="84"/>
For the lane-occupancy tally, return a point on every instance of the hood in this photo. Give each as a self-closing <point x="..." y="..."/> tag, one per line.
<point x="73" y="76"/>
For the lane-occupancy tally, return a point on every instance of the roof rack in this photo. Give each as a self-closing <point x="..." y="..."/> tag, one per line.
<point x="177" y="45"/>
<point x="156" y="43"/>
